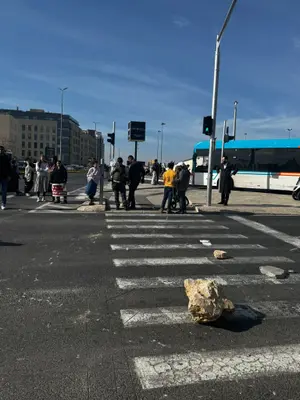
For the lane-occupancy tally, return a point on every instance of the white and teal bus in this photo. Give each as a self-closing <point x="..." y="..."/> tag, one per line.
<point x="270" y="164"/>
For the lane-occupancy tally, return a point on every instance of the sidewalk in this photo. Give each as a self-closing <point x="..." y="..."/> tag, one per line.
<point x="240" y="201"/>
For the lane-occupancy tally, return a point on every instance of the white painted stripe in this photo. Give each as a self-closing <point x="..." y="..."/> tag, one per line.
<point x="162" y="221"/>
<point x="194" y="226"/>
<point x="292" y="240"/>
<point x="134" y="262"/>
<point x="156" y="215"/>
<point x="55" y="212"/>
<point x="177" y="236"/>
<point x="133" y="318"/>
<point x="57" y="291"/>
<point x="227" y="365"/>
<point x="183" y="246"/>
<point x="224" y="280"/>
<point x="10" y="196"/>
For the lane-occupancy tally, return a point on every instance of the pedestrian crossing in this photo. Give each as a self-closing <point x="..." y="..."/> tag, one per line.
<point x="152" y="252"/>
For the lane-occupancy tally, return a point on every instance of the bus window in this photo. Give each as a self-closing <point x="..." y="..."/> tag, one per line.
<point x="288" y="160"/>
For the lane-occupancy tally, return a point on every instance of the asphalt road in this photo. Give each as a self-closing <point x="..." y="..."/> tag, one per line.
<point x="92" y="306"/>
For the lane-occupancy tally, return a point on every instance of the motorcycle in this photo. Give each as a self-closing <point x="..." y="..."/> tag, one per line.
<point x="296" y="191"/>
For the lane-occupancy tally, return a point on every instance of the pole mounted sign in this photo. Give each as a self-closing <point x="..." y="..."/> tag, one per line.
<point x="136" y="131"/>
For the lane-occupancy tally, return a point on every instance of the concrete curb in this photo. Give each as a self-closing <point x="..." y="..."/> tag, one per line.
<point x="96" y="208"/>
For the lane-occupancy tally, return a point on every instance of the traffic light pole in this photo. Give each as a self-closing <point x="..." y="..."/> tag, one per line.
<point x="223" y="139"/>
<point x="135" y="150"/>
<point x="114" y="131"/>
<point x="101" y="187"/>
<point x="215" y="103"/>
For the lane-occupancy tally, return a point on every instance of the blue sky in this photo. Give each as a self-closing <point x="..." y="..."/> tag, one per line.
<point x="153" y="60"/>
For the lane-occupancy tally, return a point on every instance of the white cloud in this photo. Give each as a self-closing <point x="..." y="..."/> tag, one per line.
<point x="181" y="22"/>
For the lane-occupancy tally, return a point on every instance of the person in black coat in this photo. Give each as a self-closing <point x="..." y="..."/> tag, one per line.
<point x="5" y="175"/>
<point x="226" y="183"/>
<point x="59" y="175"/>
<point x="136" y="174"/>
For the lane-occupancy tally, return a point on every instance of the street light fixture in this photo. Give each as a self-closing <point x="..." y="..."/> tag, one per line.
<point x="162" y="141"/>
<point x="61" y="121"/>
<point x="215" y="102"/>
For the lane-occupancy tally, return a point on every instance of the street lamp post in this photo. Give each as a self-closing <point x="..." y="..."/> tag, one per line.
<point x="96" y="137"/>
<point x="289" y="130"/>
<point x="245" y="134"/>
<point x="157" y="151"/>
<point x="162" y="141"/>
<point x="215" y="102"/>
<point x="61" y="120"/>
<point x="234" y="118"/>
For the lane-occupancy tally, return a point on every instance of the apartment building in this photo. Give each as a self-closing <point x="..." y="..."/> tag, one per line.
<point x="39" y="132"/>
<point x="9" y="134"/>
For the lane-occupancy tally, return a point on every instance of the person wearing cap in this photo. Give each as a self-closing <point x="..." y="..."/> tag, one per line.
<point x="5" y="175"/>
<point x="118" y="178"/>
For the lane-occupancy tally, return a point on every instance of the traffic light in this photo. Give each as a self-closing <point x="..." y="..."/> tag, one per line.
<point x="111" y="138"/>
<point x="227" y="138"/>
<point x="207" y="125"/>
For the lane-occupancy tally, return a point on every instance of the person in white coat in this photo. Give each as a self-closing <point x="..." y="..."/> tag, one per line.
<point x="41" y="182"/>
<point x="93" y="178"/>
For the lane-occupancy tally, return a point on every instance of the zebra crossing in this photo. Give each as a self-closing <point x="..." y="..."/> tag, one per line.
<point x="151" y="253"/>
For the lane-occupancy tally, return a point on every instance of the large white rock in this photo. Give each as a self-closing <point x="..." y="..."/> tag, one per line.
<point x="206" y="300"/>
<point x="220" y="254"/>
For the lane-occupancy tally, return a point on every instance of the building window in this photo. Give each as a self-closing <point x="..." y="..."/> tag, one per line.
<point x="23" y="144"/>
<point x="29" y="136"/>
<point x="23" y="128"/>
<point x="29" y="145"/>
<point x="35" y="145"/>
<point x="41" y="145"/>
<point x="47" y="129"/>
<point x="42" y="128"/>
<point x="23" y="135"/>
<point x="47" y="145"/>
<point x="35" y="128"/>
<point x="29" y="128"/>
<point x="53" y="138"/>
<point x="29" y="153"/>
<point x="35" y="136"/>
<point x="48" y="137"/>
<point x="53" y="130"/>
<point x="35" y="153"/>
<point x="23" y="153"/>
<point x="41" y="138"/>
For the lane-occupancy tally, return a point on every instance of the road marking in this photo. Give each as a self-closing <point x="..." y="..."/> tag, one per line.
<point x="177" y="236"/>
<point x="135" y="262"/>
<point x="147" y="214"/>
<point x="284" y="237"/>
<point x="56" y="212"/>
<point x="138" y="317"/>
<point x="10" y="196"/>
<point x="199" y="226"/>
<point x="182" y="246"/>
<point x="224" y="280"/>
<point x="163" y="221"/>
<point x="227" y="365"/>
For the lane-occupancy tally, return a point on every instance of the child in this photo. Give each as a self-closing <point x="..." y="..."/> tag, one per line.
<point x="93" y="178"/>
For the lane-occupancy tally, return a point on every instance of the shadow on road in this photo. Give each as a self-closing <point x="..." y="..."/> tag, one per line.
<point x="10" y="244"/>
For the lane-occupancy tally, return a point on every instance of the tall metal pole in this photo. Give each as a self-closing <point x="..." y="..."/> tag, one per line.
<point x="234" y="118"/>
<point x="215" y="103"/>
<point x="61" y="120"/>
<point x="162" y="142"/>
<point x="223" y="138"/>
<point x="135" y="150"/>
<point x="114" y="131"/>
<point x="157" y="151"/>
<point x="289" y="131"/>
<point x="98" y="152"/>
<point x="101" y="191"/>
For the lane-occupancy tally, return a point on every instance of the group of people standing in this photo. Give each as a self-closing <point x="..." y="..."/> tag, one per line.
<point x="42" y="177"/>
<point x="132" y="174"/>
<point x="176" y="182"/>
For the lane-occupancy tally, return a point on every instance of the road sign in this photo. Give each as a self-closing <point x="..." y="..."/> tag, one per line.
<point x="136" y="131"/>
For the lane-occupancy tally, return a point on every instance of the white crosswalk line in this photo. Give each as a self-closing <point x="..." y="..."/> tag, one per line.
<point x="194" y="226"/>
<point x="133" y="318"/>
<point x="153" y="262"/>
<point x="230" y="365"/>
<point x="177" y="236"/>
<point x="182" y="246"/>
<point x="157" y="221"/>
<point x="225" y="280"/>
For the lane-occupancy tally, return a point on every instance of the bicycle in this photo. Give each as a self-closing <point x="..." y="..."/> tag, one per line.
<point x="175" y="201"/>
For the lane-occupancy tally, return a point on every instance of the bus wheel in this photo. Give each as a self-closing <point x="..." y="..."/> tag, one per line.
<point x="296" y="195"/>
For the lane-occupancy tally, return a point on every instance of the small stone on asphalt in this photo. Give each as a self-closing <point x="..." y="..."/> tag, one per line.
<point x="273" y="272"/>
